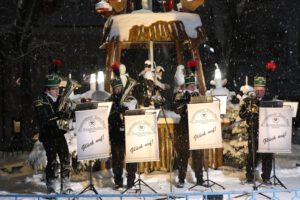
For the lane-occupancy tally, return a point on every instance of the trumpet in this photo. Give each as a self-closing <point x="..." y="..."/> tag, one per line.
<point x="253" y="108"/>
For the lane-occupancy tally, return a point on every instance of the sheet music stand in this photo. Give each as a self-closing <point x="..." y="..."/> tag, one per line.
<point x="276" y="180"/>
<point x="255" y="187"/>
<point x="273" y="104"/>
<point x="139" y="182"/>
<point x="86" y="106"/>
<point x="89" y="106"/>
<point x="207" y="182"/>
<point x="171" y="153"/>
<point x="253" y="160"/>
<point x="90" y="185"/>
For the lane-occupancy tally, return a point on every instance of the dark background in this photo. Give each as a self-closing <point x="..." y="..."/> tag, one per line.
<point x="245" y="35"/>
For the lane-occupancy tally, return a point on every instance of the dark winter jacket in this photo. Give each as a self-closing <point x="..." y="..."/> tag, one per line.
<point x="116" y="121"/>
<point x="180" y="107"/>
<point x="47" y="116"/>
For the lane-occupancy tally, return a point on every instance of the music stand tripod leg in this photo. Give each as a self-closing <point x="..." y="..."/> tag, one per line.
<point x="91" y="185"/>
<point x="209" y="182"/>
<point x="278" y="182"/>
<point x="274" y="175"/>
<point x="148" y="186"/>
<point x="253" y="151"/>
<point x="138" y="183"/>
<point x="172" y="151"/>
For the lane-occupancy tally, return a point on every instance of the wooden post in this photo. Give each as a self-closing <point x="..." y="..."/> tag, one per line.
<point x="219" y="157"/>
<point x="179" y="53"/>
<point x="200" y="75"/>
<point x="109" y="54"/>
<point x="117" y="52"/>
<point x="151" y="55"/>
<point x="113" y="54"/>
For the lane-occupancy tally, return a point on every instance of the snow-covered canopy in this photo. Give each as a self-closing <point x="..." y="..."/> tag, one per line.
<point x="146" y="26"/>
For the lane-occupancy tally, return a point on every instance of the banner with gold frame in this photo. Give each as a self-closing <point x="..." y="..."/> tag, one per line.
<point x="204" y="126"/>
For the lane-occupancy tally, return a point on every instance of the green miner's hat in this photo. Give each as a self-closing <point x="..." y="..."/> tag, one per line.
<point x="52" y="80"/>
<point x="189" y="79"/>
<point x="116" y="82"/>
<point x="259" y="81"/>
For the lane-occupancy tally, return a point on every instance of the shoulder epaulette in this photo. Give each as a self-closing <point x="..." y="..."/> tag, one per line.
<point x="38" y="102"/>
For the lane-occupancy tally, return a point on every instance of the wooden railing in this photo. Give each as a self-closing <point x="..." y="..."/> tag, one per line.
<point x="212" y="157"/>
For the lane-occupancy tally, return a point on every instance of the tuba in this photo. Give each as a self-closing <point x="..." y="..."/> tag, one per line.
<point x="126" y="99"/>
<point x="65" y="103"/>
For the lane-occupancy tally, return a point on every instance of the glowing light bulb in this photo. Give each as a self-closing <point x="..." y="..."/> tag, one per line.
<point x="93" y="82"/>
<point x="100" y="80"/>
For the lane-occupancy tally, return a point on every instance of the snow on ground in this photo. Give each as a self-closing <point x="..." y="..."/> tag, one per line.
<point x="160" y="182"/>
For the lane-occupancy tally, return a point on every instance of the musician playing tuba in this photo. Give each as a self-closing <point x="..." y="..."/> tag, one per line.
<point x="117" y="131"/>
<point x="52" y="137"/>
<point x="182" y="98"/>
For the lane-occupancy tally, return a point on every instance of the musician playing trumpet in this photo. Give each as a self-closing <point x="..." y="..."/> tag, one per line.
<point x="250" y="112"/>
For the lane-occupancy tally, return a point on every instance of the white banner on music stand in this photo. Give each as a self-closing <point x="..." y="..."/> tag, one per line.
<point x="293" y="105"/>
<point x="141" y="138"/>
<point x="223" y="103"/>
<point x="92" y="134"/>
<point x="204" y="126"/>
<point x="106" y="105"/>
<point x="275" y="130"/>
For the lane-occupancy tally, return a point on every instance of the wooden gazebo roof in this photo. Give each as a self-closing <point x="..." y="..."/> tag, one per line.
<point x="155" y="27"/>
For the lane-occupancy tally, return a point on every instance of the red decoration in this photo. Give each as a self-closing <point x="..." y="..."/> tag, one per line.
<point x="115" y="68"/>
<point x="169" y="5"/>
<point x="192" y="63"/>
<point x="271" y="65"/>
<point x="57" y="62"/>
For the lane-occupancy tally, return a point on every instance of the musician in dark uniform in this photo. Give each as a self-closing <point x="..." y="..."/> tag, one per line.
<point x="117" y="137"/>
<point x="50" y="135"/>
<point x="249" y="112"/>
<point x="182" y="98"/>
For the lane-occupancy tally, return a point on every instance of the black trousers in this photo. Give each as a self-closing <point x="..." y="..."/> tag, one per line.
<point x="57" y="146"/>
<point x="266" y="159"/>
<point x="118" y="157"/>
<point x="183" y="154"/>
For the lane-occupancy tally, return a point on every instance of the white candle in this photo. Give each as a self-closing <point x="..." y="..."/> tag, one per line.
<point x="218" y="77"/>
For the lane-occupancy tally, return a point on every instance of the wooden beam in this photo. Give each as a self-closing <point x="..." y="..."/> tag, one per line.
<point x="113" y="54"/>
<point x="179" y="53"/>
<point x="200" y="74"/>
<point x="117" y="52"/>
<point x="109" y="58"/>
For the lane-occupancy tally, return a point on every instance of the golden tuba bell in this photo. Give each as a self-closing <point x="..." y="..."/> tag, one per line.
<point x="65" y="103"/>
<point x="127" y="99"/>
